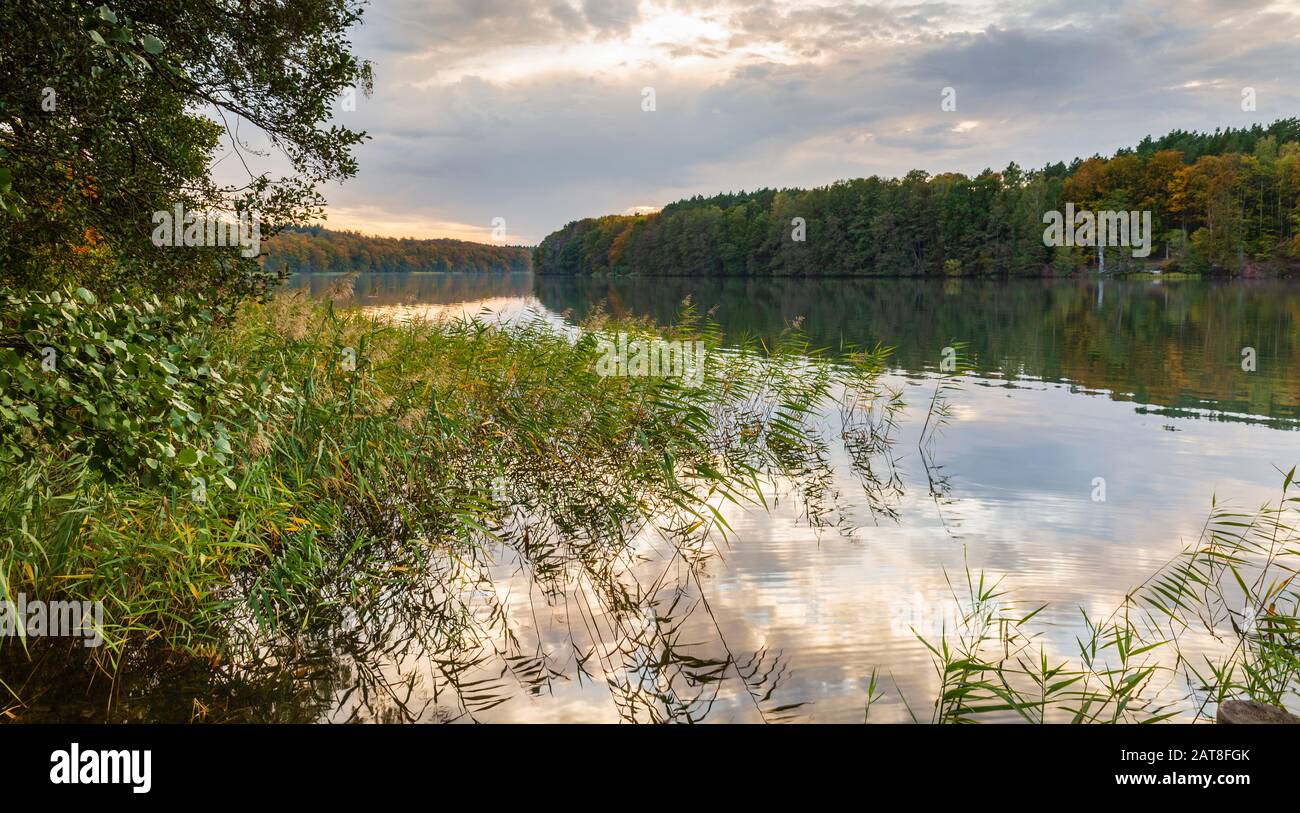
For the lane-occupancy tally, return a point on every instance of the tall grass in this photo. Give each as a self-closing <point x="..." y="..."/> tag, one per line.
<point x="1219" y="621"/>
<point x="358" y="510"/>
<point x="371" y="483"/>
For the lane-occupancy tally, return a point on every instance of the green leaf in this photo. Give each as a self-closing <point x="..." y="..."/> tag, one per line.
<point x="152" y="44"/>
<point x="187" y="457"/>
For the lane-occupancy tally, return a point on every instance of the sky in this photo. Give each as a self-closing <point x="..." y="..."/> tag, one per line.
<point x="533" y="111"/>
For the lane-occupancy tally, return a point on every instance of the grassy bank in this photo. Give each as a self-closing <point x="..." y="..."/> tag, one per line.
<point x="231" y="484"/>
<point x="216" y="478"/>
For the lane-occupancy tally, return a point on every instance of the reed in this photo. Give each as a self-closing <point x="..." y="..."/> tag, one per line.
<point x="360" y="453"/>
<point x="1219" y="621"/>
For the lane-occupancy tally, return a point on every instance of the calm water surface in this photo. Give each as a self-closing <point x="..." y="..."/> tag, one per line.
<point x="1136" y="382"/>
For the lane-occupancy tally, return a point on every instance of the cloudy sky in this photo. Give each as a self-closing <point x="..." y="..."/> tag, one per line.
<point x="531" y="110"/>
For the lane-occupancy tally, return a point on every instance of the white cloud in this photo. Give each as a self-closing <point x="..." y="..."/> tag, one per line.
<point x="532" y="110"/>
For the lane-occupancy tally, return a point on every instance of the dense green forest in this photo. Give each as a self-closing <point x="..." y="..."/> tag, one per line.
<point x="311" y="248"/>
<point x="1227" y="201"/>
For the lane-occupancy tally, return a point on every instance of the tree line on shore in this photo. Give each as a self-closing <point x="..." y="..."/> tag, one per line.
<point x="311" y="249"/>
<point x="1221" y="202"/>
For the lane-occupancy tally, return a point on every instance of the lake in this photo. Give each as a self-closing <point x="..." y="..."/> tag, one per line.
<point x="1098" y="422"/>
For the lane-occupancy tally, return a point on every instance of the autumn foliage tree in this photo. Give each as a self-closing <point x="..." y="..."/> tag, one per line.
<point x="1227" y="201"/>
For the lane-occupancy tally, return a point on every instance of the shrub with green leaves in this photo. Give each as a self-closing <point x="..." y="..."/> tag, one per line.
<point x="131" y="384"/>
<point x="112" y="111"/>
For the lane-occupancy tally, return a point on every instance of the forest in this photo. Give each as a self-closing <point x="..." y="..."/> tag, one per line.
<point x="310" y="249"/>
<point x="1226" y="202"/>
